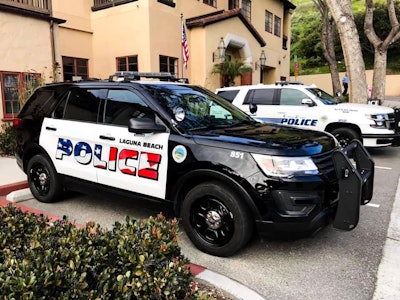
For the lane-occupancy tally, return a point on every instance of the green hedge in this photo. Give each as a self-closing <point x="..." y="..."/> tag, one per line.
<point x="134" y="260"/>
<point x="7" y="139"/>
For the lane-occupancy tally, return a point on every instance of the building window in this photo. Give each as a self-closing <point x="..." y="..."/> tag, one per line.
<point x="277" y="26"/>
<point x="167" y="2"/>
<point x="233" y="4"/>
<point x="15" y="89"/>
<point x="127" y="63"/>
<point x="168" y="64"/>
<point x="73" y="66"/>
<point x="246" y="8"/>
<point x="212" y="3"/>
<point x="284" y="42"/>
<point x="268" y="21"/>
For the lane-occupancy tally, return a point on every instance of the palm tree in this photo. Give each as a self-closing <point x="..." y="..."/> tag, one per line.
<point x="230" y="69"/>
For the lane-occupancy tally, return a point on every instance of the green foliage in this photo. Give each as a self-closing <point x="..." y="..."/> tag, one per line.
<point x="134" y="260"/>
<point x="231" y="69"/>
<point x="7" y="139"/>
<point x="306" y="37"/>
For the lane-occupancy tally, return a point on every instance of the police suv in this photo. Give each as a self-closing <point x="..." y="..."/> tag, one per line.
<point x="305" y="106"/>
<point x="226" y="175"/>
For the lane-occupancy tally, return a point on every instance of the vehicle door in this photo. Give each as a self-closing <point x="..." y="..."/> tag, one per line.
<point x="69" y="135"/>
<point x="296" y="109"/>
<point x="126" y="160"/>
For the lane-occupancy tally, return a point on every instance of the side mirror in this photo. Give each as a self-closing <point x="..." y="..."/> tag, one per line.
<point x="145" y="125"/>
<point x="307" y="102"/>
<point x="252" y="108"/>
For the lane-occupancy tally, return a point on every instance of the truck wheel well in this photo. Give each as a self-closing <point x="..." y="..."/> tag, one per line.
<point x="330" y="127"/>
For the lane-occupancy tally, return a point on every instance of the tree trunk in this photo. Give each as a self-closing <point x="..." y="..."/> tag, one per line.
<point x="379" y="77"/>
<point x="328" y="46"/>
<point x="343" y="15"/>
<point x="380" y="47"/>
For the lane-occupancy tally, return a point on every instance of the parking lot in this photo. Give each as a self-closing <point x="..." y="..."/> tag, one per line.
<point x="329" y="265"/>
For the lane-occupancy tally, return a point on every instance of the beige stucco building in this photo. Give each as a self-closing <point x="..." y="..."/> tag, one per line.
<point x="55" y="40"/>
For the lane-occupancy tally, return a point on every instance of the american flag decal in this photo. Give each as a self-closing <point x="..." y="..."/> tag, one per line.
<point x="185" y="48"/>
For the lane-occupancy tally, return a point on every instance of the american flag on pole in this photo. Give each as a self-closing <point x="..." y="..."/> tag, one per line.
<point x="185" y="48"/>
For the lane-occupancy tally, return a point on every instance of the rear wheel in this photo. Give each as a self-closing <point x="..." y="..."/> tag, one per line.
<point x="216" y="220"/>
<point x="345" y="135"/>
<point x="43" y="179"/>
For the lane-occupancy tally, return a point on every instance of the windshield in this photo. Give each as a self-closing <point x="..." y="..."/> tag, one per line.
<point x="323" y="96"/>
<point x="195" y="108"/>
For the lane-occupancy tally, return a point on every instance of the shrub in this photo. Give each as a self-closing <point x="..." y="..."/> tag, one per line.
<point x="134" y="260"/>
<point x="7" y="139"/>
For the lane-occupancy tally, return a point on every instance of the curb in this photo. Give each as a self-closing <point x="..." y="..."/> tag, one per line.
<point x="228" y="285"/>
<point x="8" y="188"/>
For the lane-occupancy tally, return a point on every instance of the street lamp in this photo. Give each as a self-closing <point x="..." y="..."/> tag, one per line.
<point x="263" y="59"/>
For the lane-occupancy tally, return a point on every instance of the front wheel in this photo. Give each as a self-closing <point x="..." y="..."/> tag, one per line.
<point x="43" y="179"/>
<point x="345" y="135"/>
<point x="216" y="220"/>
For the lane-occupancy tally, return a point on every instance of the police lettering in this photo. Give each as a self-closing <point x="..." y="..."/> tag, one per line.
<point x="129" y="161"/>
<point x="303" y="122"/>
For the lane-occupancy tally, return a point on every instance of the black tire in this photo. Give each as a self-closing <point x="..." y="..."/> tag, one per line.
<point x="345" y="135"/>
<point x="43" y="179"/>
<point x="216" y="220"/>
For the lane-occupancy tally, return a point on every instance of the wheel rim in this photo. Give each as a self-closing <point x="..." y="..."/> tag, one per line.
<point x="39" y="177"/>
<point x="343" y="139"/>
<point x="212" y="221"/>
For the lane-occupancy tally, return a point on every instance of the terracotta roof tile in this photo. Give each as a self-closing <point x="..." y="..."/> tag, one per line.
<point x="219" y="16"/>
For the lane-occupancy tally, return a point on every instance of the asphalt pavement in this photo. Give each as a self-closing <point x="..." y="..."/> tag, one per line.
<point x="13" y="188"/>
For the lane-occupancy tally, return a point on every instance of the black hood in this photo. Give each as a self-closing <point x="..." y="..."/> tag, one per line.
<point x="269" y="139"/>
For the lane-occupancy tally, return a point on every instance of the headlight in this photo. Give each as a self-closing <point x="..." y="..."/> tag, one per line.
<point x="282" y="166"/>
<point x="379" y="119"/>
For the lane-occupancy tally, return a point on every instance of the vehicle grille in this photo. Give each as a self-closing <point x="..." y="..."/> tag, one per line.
<point x="393" y="120"/>
<point x="324" y="163"/>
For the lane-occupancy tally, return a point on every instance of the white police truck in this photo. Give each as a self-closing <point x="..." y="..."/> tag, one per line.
<point x="304" y="106"/>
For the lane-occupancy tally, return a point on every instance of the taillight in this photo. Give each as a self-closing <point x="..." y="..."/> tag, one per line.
<point x="16" y="122"/>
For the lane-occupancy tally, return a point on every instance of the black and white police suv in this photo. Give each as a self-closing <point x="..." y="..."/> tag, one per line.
<point x="226" y="175"/>
<point x="306" y="106"/>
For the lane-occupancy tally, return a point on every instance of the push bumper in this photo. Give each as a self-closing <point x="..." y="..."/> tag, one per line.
<point x="356" y="183"/>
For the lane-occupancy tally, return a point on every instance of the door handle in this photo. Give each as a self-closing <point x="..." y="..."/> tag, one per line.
<point x="51" y="128"/>
<point x="104" y="137"/>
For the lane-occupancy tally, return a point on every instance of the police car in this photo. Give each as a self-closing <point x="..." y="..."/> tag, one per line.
<point x="226" y="175"/>
<point x="296" y="104"/>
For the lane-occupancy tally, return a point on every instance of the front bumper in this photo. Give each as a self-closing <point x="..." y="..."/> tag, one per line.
<point x="305" y="211"/>
<point x="382" y="139"/>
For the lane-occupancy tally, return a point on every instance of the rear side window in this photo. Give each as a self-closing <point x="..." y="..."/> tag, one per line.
<point x="292" y="97"/>
<point x="260" y="97"/>
<point x="40" y="104"/>
<point x="80" y="105"/>
<point x="228" y="95"/>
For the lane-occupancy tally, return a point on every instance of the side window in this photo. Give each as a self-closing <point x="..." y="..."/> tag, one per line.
<point x="260" y="97"/>
<point x="292" y="97"/>
<point x="228" y="95"/>
<point x="79" y="104"/>
<point x="121" y="105"/>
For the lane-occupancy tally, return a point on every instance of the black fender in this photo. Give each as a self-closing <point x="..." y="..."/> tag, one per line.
<point x="192" y="178"/>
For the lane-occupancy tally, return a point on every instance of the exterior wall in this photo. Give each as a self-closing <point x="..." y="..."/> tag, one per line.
<point x="324" y="81"/>
<point x="25" y="46"/>
<point x="146" y="28"/>
<point x="75" y="35"/>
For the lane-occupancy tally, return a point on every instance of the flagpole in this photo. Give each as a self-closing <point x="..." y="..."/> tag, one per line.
<point x="181" y="45"/>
